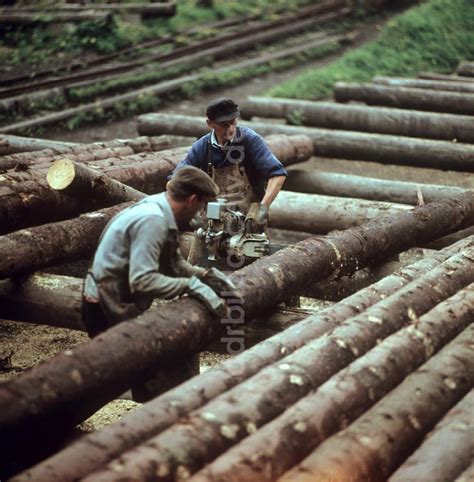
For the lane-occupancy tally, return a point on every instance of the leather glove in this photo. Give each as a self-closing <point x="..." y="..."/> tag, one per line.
<point x="220" y="283"/>
<point x="206" y="295"/>
<point x="262" y="215"/>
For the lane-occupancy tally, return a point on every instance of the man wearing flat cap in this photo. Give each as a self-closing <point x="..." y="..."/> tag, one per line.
<point x="238" y="160"/>
<point x="138" y="258"/>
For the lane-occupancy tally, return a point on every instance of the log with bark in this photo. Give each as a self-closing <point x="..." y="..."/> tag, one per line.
<point x="377" y="442"/>
<point x="78" y="180"/>
<point x="333" y="143"/>
<point x="209" y="431"/>
<point x="362" y="118"/>
<point x="30" y="249"/>
<point x="12" y="144"/>
<point x="406" y="97"/>
<point x="447" y="77"/>
<point x="284" y="442"/>
<point x="84" y="456"/>
<point x="90" y="152"/>
<point x="346" y="185"/>
<point x="447" y="451"/>
<point x="448" y="85"/>
<point x="30" y="203"/>
<point x="466" y="69"/>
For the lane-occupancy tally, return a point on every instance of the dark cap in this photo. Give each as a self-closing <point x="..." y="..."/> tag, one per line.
<point x="191" y="180"/>
<point x="222" y="109"/>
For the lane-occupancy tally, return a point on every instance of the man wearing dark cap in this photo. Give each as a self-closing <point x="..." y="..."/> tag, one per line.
<point x="138" y="257"/>
<point x="238" y="160"/>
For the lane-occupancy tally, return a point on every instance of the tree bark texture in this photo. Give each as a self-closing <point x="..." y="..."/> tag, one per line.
<point x="84" y="456"/>
<point x="209" y="431"/>
<point x="30" y="249"/>
<point x="14" y="144"/>
<point x="406" y="97"/>
<point x="284" y="442"/>
<point x="82" y="182"/>
<point x="90" y="152"/>
<point x="333" y="143"/>
<point x="448" y="449"/>
<point x="346" y="185"/>
<point x="451" y="86"/>
<point x="465" y="69"/>
<point x="26" y="200"/>
<point x="381" y="120"/>
<point x="375" y="444"/>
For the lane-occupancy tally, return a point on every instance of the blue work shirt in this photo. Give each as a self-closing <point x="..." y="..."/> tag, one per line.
<point x="247" y="147"/>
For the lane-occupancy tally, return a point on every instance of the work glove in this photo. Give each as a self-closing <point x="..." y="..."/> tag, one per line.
<point x="260" y="219"/>
<point x="220" y="283"/>
<point x="206" y="295"/>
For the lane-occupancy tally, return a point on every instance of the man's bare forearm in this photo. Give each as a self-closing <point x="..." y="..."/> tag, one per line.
<point x="273" y="188"/>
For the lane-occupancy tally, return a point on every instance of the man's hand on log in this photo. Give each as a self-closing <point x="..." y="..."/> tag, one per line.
<point x="206" y="295"/>
<point x="221" y="284"/>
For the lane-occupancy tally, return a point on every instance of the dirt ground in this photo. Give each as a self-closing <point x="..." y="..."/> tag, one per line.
<point x="23" y="345"/>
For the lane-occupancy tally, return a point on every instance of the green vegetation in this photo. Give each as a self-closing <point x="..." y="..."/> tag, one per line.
<point x="432" y="36"/>
<point x="32" y="44"/>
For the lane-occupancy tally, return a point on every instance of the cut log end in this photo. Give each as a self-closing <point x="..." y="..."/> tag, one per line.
<point x="61" y="174"/>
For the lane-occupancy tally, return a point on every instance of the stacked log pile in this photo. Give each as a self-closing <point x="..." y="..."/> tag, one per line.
<point x="366" y="388"/>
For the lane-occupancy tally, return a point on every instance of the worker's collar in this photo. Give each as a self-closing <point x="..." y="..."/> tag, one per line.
<point x="215" y="143"/>
<point x="167" y="211"/>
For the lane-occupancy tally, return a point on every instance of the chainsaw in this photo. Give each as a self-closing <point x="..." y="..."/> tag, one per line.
<point x="230" y="233"/>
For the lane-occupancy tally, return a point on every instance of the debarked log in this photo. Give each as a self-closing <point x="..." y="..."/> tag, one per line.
<point x="333" y="143"/>
<point x="268" y="453"/>
<point x="346" y="185"/>
<point x="452" y="86"/>
<point x="447" y="451"/>
<point x="313" y="213"/>
<point x="362" y="118"/>
<point x="375" y="444"/>
<point x="84" y="456"/>
<point x="406" y="97"/>
<point x="207" y="432"/>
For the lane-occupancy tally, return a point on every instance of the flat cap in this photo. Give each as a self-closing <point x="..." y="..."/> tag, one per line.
<point x="222" y="109"/>
<point x="191" y="180"/>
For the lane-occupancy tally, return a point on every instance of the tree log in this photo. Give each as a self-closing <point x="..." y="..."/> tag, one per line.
<point x="426" y="84"/>
<point x="333" y="143"/>
<point x="317" y="214"/>
<point x="447" y="451"/>
<point x="448" y="77"/>
<point x="466" y="69"/>
<point x="467" y="475"/>
<point x="444" y="241"/>
<point x="28" y="250"/>
<point x="84" y="456"/>
<point x="284" y="442"/>
<point x="345" y="185"/>
<point x="13" y="144"/>
<point x="54" y="394"/>
<point x="81" y="182"/>
<point x="375" y="444"/>
<point x="31" y="203"/>
<point x="362" y="118"/>
<point x="26" y="18"/>
<point x="95" y="151"/>
<point x="405" y="97"/>
<point x="207" y="432"/>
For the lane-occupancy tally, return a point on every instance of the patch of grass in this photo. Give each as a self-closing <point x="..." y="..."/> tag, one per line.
<point x="32" y="44"/>
<point x="432" y="36"/>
